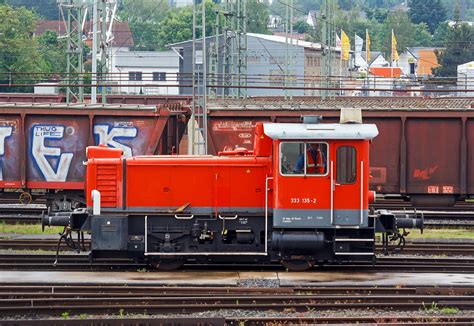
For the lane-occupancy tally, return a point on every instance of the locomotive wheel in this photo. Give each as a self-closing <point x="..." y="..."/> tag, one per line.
<point x="298" y="265"/>
<point x="167" y="264"/>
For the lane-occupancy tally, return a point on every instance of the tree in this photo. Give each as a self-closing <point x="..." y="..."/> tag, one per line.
<point x="431" y="12"/>
<point x="144" y="18"/>
<point x="53" y="51"/>
<point x="441" y="34"/>
<point x="46" y="9"/>
<point x="459" y="49"/>
<point x="302" y="27"/>
<point x="177" y="26"/>
<point x="422" y="35"/>
<point x="404" y="30"/>
<point x="258" y="14"/>
<point x="19" y="51"/>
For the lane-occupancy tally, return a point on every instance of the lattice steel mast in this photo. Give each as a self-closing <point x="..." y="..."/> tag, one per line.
<point x="328" y="43"/>
<point x="199" y="84"/>
<point x="72" y="12"/>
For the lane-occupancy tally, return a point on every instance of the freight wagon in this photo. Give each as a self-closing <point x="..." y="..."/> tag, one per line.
<point x="43" y="146"/>
<point x="424" y="149"/>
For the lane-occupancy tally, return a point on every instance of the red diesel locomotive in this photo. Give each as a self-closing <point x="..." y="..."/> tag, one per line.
<point x="300" y="197"/>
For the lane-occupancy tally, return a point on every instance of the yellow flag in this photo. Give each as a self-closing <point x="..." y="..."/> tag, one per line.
<point x="346" y="46"/>
<point x="394" y="47"/>
<point x="367" y="46"/>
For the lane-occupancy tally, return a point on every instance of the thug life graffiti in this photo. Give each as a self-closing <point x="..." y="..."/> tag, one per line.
<point x="51" y="160"/>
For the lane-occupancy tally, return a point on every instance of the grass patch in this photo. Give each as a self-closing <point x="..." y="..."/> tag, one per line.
<point x="28" y="229"/>
<point x="449" y="310"/>
<point x="442" y="234"/>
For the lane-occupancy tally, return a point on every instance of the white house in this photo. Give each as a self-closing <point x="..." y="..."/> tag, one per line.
<point x="465" y="78"/>
<point x="144" y="69"/>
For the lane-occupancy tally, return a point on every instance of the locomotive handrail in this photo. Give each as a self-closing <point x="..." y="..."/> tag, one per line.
<point x="332" y="193"/>
<point x="361" y="192"/>
<point x="228" y="217"/>
<point x="267" y="179"/>
<point x="184" y="217"/>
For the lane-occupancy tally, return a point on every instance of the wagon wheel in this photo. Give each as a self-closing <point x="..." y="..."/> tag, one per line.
<point x="25" y="198"/>
<point x="166" y="264"/>
<point x="298" y="265"/>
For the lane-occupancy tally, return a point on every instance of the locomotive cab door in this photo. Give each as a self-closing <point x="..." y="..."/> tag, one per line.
<point x="348" y="176"/>
<point x="302" y="185"/>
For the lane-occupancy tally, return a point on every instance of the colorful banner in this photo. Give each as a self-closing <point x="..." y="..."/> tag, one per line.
<point x="346" y="46"/>
<point x="394" y="48"/>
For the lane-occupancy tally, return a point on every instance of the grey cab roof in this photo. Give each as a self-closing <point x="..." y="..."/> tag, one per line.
<point x="320" y="131"/>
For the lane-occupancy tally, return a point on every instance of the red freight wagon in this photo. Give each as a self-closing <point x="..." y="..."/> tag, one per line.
<point x="43" y="146"/>
<point x="424" y="149"/>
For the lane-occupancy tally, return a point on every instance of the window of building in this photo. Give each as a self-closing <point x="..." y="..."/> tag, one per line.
<point x="300" y="158"/>
<point x="159" y="76"/>
<point x="135" y="75"/>
<point x="346" y="165"/>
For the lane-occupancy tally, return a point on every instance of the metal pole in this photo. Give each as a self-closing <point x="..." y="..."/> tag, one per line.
<point x="193" y="72"/>
<point x="94" y="53"/>
<point x="204" y="77"/>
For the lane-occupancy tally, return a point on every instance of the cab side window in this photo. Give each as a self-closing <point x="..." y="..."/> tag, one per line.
<point x="316" y="158"/>
<point x="289" y="157"/>
<point x="346" y="165"/>
<point x="300" y="158"/>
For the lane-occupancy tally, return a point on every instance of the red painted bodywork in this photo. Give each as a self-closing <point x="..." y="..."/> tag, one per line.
<point x="221" y="184"/>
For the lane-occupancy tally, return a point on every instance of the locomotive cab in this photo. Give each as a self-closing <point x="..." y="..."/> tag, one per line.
<point x="321" y="193"/>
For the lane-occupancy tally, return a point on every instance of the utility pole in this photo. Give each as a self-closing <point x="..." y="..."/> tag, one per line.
<point x="95" y="20"/>
<point x="241" y="30"/>
<point x="214" y="59"/>
<point x="328" y="43"/>
<point x="72" y="13"/>
<point x="228" y="50"/>
<point x="199" y="84"/>
<point x="288" y="41"/>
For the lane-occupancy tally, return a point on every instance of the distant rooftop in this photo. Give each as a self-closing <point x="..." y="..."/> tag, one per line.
<point x="143" y="59"/>
<point x="121" y="31"/>
<point x="365" y="103"/>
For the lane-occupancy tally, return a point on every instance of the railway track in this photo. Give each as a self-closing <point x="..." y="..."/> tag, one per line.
<point x="421" y="248"/>
<point x="81" y="262"/>
<point x="298" y="304"/>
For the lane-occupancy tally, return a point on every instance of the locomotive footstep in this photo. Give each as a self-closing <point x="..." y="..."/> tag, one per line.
<point x="166" y="264"/>
<point x="298" y="265"/>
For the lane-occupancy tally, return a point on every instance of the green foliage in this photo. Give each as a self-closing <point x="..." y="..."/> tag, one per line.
<point x="377" y="14"/>
<point x="459" y="44"/>
<point x="19" y="50"/>
<point x="431" y="12"/>
<point x="144" y="18"/>
<point x="177" y="26"/>
<point x="46" y="9"/>
<point x="53" y="51"/>
<point x="422" y="36"/>
<point x="257" y="20"/>
<point x="65" y="315"/>
<point x="404" y="30"/>
<point x="449" y="310"/>
<point x="441" y="34"/>
<point x="83" y="316"/>
<point x="302" y="27"/>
